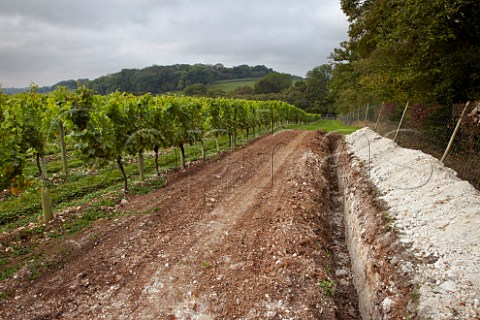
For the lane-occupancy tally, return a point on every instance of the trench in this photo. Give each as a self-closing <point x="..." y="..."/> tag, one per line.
<point x="368" y="260"/>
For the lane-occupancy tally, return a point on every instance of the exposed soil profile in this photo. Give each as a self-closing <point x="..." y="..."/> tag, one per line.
<point x="253" y="234"/>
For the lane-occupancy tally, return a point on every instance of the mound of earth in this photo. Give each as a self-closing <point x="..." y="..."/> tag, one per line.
<point x="437" y="216"/>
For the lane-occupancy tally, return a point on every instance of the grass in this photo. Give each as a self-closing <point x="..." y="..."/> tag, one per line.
<point x="327" y="125"/>
<point x="230" y="85"/>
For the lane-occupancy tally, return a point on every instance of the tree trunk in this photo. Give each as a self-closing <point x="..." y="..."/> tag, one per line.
<point x="235" y="138"/>
<point x="247" y="134"/>
<point x="42" y="167"/>
<point x="253" y="132"/>
<point x="141" y="165"/>
<point x="63" y="148"/>
<point x="124" y="175"/>
<point x="182" y="155"/>
<point x="157" y="171"/>
<point x="39" y="167"/>
<point x="230" y="139"/>
<point x="46" y="205"/>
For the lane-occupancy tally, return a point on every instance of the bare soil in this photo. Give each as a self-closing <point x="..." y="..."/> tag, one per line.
<point x="252" y="234"/>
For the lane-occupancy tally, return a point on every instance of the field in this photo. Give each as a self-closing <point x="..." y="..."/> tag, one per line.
<point x="230" y="85"/>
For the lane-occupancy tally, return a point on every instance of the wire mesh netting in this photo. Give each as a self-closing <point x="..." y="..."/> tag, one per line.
<point x="429" y="128"/>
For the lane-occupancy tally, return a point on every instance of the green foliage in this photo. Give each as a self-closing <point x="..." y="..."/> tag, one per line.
<point x="327" y="125"/>
<point x="419" y="50"/>
<point x="241" y="86"/>
<point x="273" y="83"/>
<point x="106" y="129"/>
<point x="328" y="287"/>
<point x="316" y="90"/>
<point x="197" y="89"/>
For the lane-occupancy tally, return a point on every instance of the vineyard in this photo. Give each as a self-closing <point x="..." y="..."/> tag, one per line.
<point x="93" y="131"/>
<point x="293" y="225"/>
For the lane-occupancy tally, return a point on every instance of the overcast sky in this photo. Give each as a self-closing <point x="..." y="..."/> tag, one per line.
<point x="46" y="41"/>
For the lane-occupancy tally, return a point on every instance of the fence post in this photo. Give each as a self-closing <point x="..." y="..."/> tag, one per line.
<point x="455" y="132"/>
<point x="400" y="123"/>
<point x="378" y="118"/>
<point x="366" y="115"/>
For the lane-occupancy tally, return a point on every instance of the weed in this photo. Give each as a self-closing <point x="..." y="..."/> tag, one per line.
<point x="94" y="237"/>
<point x="21" y="251"/>
<point x="3" y="262"/>
<point x="8" y="272"/>
<point x="151" y="210"/>
<point x="147" y="186"/>
<point x="328" y="287"/>
<point x="206" y="264"/>
<point x="327" y="252"/>
<point x="5" y="295"/>
<point x="35" y="270"/>
<point x="88" y="217"/>
<point x="416" y="293"/>
<point x="388" y="220"/>
<point x="38" y="229"/>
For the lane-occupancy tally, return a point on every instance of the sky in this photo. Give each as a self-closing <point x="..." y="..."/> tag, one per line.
<point x="47" y="41"/>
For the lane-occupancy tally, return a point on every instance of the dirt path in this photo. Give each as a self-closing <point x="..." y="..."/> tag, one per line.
<point x="236" y="238"/>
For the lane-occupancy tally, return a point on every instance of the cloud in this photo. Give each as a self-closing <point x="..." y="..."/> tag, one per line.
<point x="52" y="40"/>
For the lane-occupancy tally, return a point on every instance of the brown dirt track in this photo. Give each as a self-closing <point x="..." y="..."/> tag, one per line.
<point x="223" y="240"/>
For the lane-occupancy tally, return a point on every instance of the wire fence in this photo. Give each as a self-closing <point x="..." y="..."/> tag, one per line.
<point x="449" y="133"/>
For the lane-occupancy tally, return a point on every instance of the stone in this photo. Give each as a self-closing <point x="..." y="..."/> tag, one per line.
<point x="341" y="273"/>
<point x="387" y="305"/>
<point x="449" y="286"/>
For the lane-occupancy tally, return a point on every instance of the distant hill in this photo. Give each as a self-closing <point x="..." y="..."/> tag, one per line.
<point x="159" y="79"/>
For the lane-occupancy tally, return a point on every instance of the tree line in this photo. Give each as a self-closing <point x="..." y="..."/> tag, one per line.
<point x="158" y="79"/>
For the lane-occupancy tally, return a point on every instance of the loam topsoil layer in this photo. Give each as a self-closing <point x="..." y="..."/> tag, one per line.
<point x="253" y="234"/>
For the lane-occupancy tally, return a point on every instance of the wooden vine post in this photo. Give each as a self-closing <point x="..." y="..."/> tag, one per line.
<point x="452" y="138"/>
<point x="400" y="123"/>
<point x="379" y="116"/>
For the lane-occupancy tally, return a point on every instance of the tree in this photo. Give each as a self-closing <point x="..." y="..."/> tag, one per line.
<point x="273" y="83"/>
<point x="317" y="89"/>
<point x="417" y="50"/>
<point x="196" y="89"/>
